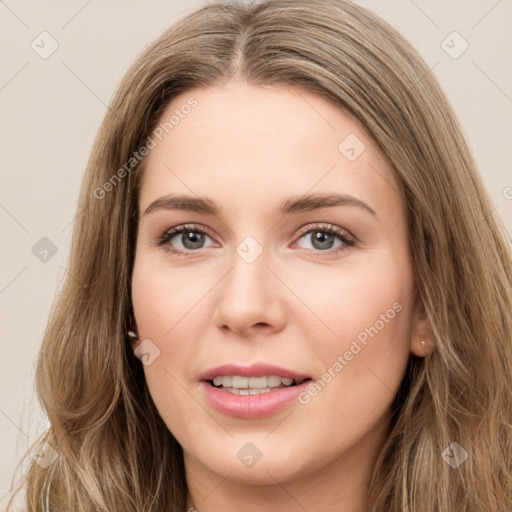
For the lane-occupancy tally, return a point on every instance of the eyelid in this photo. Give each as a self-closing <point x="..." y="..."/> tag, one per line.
<point x="348" y="240"/>
<point x="327" y="226"/>
<point x="192" y="226"/>
<point x="169" y="233"/>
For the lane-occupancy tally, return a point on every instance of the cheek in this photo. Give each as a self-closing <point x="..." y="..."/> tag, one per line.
<point x="364" y="336"/>
<point x="164" y="298"/>
<point x="157" y="313"/>
<point x="169" y="306"/>
<point x="368" y="299"/>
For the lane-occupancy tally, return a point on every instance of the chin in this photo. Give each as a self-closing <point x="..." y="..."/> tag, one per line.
<point x="247" y="464"/>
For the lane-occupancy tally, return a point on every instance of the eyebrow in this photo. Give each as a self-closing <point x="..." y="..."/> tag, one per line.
<point x="296" y="204"/>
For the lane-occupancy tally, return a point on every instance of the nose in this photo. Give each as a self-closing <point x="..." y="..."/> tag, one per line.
<point x="250" y="298"/>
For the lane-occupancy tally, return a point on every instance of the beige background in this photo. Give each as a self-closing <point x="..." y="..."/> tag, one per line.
<point x="52" y="108"/>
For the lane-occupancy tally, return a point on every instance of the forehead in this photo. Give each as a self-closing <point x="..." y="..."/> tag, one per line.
<point x="247" y="146"/>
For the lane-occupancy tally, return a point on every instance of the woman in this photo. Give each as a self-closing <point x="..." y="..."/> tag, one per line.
<point x="367" y="370"/>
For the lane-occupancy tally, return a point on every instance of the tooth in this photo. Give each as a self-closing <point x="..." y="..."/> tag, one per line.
<point x="243" y="391"/>
<point x="236" y="382"/>
<point x="273" y="381"/>
<point x="257" y="382"/>
<point x="240" y="382"/>
<point x="227" y="382"/>
<point x="259" y="391"/>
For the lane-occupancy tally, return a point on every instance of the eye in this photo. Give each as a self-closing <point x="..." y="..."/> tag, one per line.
<point x="190" y="236"/>
<point x="323" y="237"/>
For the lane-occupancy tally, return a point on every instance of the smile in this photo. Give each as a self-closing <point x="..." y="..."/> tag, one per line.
<point x="239" y="385"/>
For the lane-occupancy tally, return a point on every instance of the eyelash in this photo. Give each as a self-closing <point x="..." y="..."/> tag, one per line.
<point x="348" y="240"/>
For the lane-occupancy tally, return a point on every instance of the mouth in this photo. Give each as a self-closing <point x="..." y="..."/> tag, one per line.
<point x="254" y="391"/>
<point x="242" y="385"/>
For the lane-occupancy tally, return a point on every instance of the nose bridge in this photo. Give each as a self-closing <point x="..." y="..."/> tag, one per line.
<point x="248" y="295"/>
<point x="249" y="276"/>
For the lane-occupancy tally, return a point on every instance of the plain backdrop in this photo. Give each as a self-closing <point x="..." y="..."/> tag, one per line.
<point x="52" y="106"/>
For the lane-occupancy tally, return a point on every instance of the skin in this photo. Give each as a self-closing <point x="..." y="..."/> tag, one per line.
<point x="248" y="148"/>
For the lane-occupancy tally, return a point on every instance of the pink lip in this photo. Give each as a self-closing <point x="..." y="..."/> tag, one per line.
<point x="251" y="406"/>
<point x="253" y="370"/>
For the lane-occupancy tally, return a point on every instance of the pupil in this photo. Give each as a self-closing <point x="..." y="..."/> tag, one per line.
<point x="192" y="239"/>
<point x="325" y="240"/>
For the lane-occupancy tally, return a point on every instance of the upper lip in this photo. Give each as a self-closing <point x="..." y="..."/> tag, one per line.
<point x="252" y="370"/>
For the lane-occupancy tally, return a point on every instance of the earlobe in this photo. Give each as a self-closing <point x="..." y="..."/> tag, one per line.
<point x="422" y="348"/>
<point x="134" y="338"/>
<point x="132" y="332"/>
<point x="422" y="340"/>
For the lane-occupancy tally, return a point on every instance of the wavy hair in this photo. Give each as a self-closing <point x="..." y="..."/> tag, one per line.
<point x="115" y="452"/>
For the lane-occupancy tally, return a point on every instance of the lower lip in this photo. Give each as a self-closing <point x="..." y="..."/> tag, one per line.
<point x="251" y="406"/>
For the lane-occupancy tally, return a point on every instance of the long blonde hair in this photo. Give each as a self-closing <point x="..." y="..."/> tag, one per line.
<point x="115" y="452"/>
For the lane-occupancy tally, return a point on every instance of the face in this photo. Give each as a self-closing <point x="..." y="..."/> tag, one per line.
<point x="293" y="265"/>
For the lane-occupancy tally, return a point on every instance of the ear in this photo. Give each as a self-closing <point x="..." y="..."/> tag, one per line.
<point x="422" y="338"/>
<point x="133" y="333"/>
